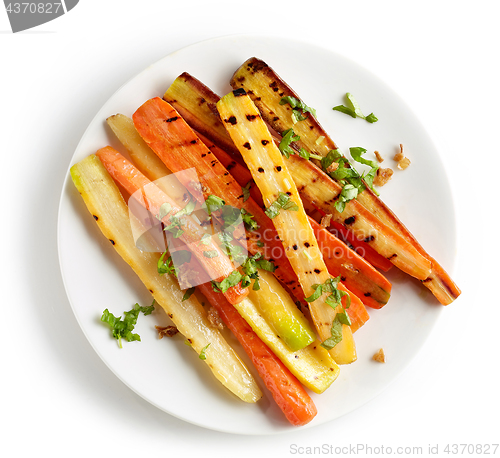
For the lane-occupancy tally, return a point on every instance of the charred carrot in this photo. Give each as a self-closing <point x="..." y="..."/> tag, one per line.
<point x="360" y="277"/>
<point x="178" y="146"/>
<point x="362" y="248"/>
<point x="190" y="97"/>
<point x="252" y="137"/>
<point x="153" y="199"/>
<point x="108" y="209"/>
<point x="238" y="171"/>
<point x="374" y="234"/>
<point x="286" y="390"/>
<point x="269" y="91"/>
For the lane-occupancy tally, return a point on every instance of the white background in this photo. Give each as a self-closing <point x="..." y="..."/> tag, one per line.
<point x="57" y="395"/>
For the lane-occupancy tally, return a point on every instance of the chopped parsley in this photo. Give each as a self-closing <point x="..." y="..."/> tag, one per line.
<point x="122" y="328"/>
<point x="187" y="210"/>
<point x="189" y="292"/>
<point x="351" y="181"/>
<point x="211" y="254"/>
<point x="283" y="202"/>
<point x="232" y="280"/>
<point x="348" y="193"/>
<point x="203" y="355"/>
<point x="246" y="191"/>
<point x="289" y="137"/>
<point x="206" y="239"/>
<point x="164" y="210"/>
<point x="353" y="109"/>
<point x="213" y="203"/>
<point x="250" y="268"/>
<point x="333" y="300"/>
<point x="175" y="227"/>
<point x="357" y="154"/>
<point x="298" y="108"/>
<point x="173" y="262"/>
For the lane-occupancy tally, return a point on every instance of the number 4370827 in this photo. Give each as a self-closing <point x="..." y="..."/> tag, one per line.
<point x="33" y="7"/>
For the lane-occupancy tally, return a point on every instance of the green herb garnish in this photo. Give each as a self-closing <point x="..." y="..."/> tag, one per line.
<point x="285" y="148"/>
<point x="250" y="267"/>
<point x="189" y="292"/>
<point x="175" y="227"/>
<point x="357" y="154"/>
<point x="232" y="280"/>
<point x="213" y="203"/>
<point x="348" y="193"/>
<point x="211" y="254"/>
<point x="333" y="300"/>
<point x="348" y="176"/>
<point x="206" y="239"/>
<point x="164" y="210"/>
<point x="336" y="332"/>
<point x="187" y="210"/>
<point x="248" y="220"/>
<point x="298" y="108"/>
<point x="122" y="328"/>
<point x="282" y="202"/>
<point x="173" y="262"/>
<point x="203" y="356"/>
<point x="354" y="109"/>
<point x="246" y="191"/>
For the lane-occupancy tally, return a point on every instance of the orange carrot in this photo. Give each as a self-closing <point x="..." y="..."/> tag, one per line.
<point x="177" y="145"/>
<point x="179" y="148"/>
<point x="360" y="277"/>
<point x="238" y="171"/>
<point x="286" y="390"/>
<point x="218" y="267"/>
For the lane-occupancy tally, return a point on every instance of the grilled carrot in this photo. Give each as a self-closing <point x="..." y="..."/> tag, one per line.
<point x="177" y="145"/>
<point x="251" y="136"/>
<point x="267" y="90"/>
<point x="286" y="390"/>
<point x="219" y="266"/>
<point x="111" y="214"/>
<point x="361" y="278"/>
<point x="241" y="174"/>
<point x="362" y="248"/>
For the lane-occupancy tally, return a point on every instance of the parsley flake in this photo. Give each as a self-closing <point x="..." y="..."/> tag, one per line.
<point x="122" y="328"/>
<point x="334" y="300"/>
<point x="189" y="292"/>
<point x="282" y="202"/>
<point x="298" y="108"/>
<point x="353" y="109"/>
<point x="203" y="355"/>
<point x="289" y="137"/>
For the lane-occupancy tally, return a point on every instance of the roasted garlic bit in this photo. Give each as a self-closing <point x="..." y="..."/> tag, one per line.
<point x="379" y="356"/>
<point x="168" y="331"/>
<point x="383" y="176"/>
<point x="403" y="162"/>
<point x="400" y="155"/>
<point x="331" y="168"/>
<point x="214" y="319"/>
<point x="378" y="156"/>
<point x="350" y="267"/>
<point x="325" y="221"/>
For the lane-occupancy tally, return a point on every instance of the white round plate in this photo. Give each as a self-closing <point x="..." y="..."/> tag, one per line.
<point x="166" y="372"/>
